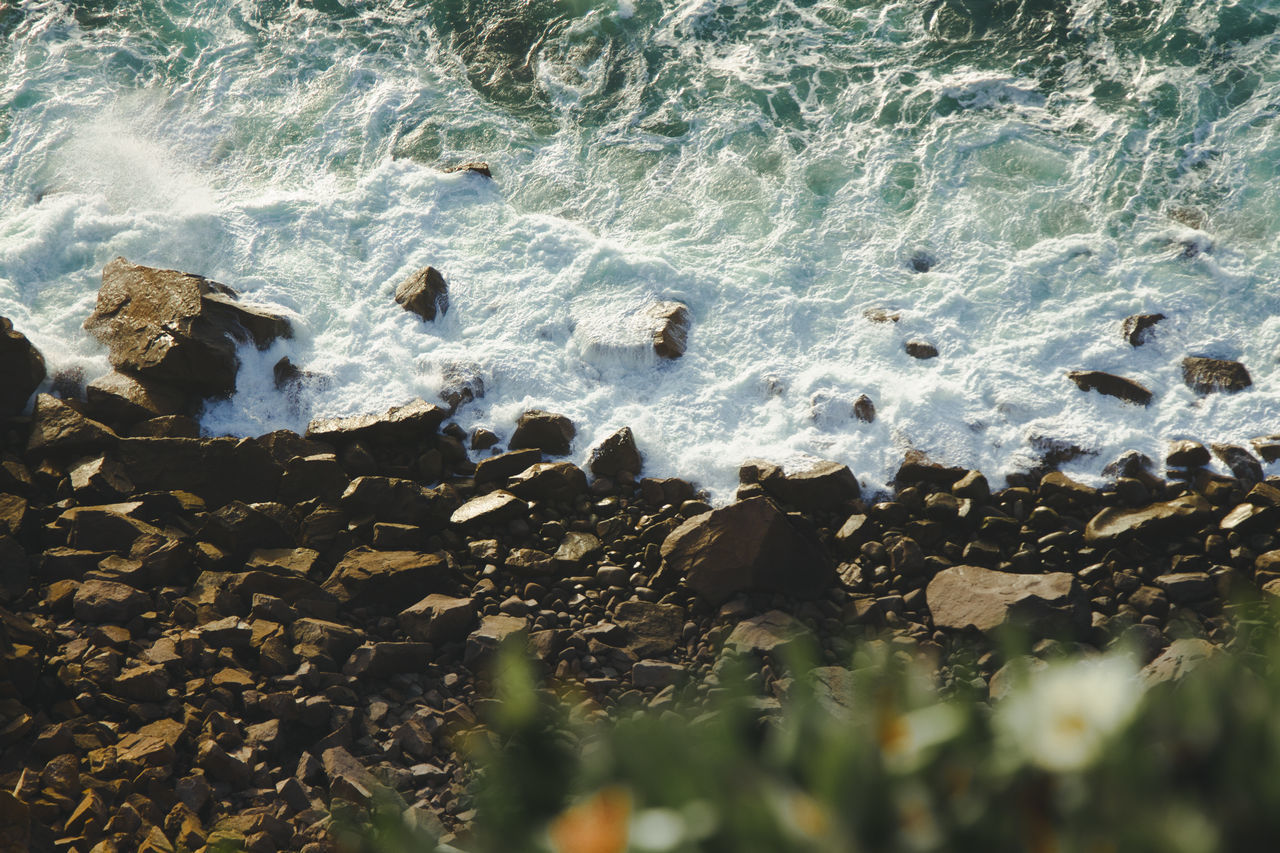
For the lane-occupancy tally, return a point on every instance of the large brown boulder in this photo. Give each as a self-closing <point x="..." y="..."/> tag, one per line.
<point x="670" y="324"/>
<point x="177" y="328"/>
<point x="616" y="454"/>
<point x="970" y="597"/>
<point x="548" y="432"/>
<point x="118" y="397"/>
<point x="59" y="429"/>
<point x="749" y="546"/>
<point x="1205" y="375"/>
<point x="367" y="577"/>
<point x="424" y="293"/>
<point x="1114" y="522"/>
<point x="822" y="486"/>
<point x="21" y="369"/>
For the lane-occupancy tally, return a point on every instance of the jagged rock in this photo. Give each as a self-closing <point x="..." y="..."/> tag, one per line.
<point x="964" y="597"/>
<point x="575" y="550"/>
<point x="549" y="481"/>
<point x="59" y="429"/>
<point x="545" y="431"/>
<point x="316" y="476"/>
<point x="109" y="527"/>
<point x="863" y="409"/>
<point x="108" y="601"/>
<point x="1116" y="522"/>
<point x="1182" y="656"/>
<point x="438" y="618"/>
<point x="822" y="486"/>
<point x="1186" y="454"/>
<point x="219" y="470"/>
<point x="367" y="577"/>
<point x="477" y="167"/>
<point x="1205" y="375"/>
<point x="99" y="478"/>
<point x="765" y="634"/>
<point x="334" y="639"/>
<point x="1111" y="386"/>
<point x="616" y="454"/>
<point x="238" y="528"/>
<point x="493" y="631"/>
<point x="497" y="507"/>
<point x="177" y="328"/>
<point x="21" y="369"/>
<point x="144" y="683"/>
<point x="398" y="501"/>
<point x="120" y="398"/>
<point x="505" y="465"/>
<point x="1243" y="465"/>
<point x="746" y="546"/>
<point x="413" y="421"/>
<point x="1136" y="328"/>
<point x="424" y="293"/>
<point x="670" y="328"/>
<point x="921" y="349"/>
<point x="652" y="629"/>
<point x="459" y="384"/>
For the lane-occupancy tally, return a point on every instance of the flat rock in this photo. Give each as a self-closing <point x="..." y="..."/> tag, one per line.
<point x="656" y="673"/>
<point x="496" y="469"/>
<point x="1182" y="656"/>
<point x="824" y="485"/>
<point x="549" y="481"/>
<point x="616" y="454"/>
<point x="411" y="422"/>
<point x="1117" y="522"/>
<point x="765" y="634"/>
<point x="350" y="780"/>
<point x="1267" y="446"/>
<point x="964" y="597"/>
<point x="916" y="467"/>
<point x="575" y="550"/>
<point x="1206" y="375"/>
<point x="125" y="399"/>
<point x="108" y="601"/>
<point x="493" y="631"/>
<point x="749" y="546"/>
<point x="653" y="629"/>
<point x="58" y="428"/>
<point x="1110" y="385"/>
<point x="497" y="507"/>
<point x="21" y="369"/>
<point x="438" y="618"/>
<point x="366" y="577"/>
<point x="424" y="293"/>
<point x="335" y="639"/>
<point x="177" y="328"/>
<point x="1186" y="587"/>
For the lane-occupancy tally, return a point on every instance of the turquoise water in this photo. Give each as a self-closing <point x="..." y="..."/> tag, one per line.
<point x="779" y="166"/>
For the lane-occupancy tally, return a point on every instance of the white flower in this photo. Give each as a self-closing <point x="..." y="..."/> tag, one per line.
<point x="1061" y="717"/>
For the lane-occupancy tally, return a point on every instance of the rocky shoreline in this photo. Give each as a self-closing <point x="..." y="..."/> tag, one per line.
<point x="216" y="640"/>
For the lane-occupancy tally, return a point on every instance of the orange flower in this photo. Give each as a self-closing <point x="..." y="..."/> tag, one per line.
<point x="595" y="825"/>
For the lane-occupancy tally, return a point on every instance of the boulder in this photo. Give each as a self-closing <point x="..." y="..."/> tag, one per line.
<point x="670" y="324"/>
<point x="822" y="486"/>
<point x="616" y="454"/>
<point x="970" y="597"/>
<point x="108" y="601"/>
<point x="349" y="780"/>
<point x="398" y="501"/>
<point x="121" y="398"/>
<point x="177" y="328"/>
<point x="1206" y="375"/>
<point x="863" y="409"/>
<point x="1267" y="446"/>
<point x="749" y="546"/>
<point x="575" y="550"/>
<point x="652" y="629"/>
<point x="1136" y="329"/>
<point x="549" y="481"/>
<point x="59" y="429"/>
<point x="439" y="618"/>
<point x="1111" y="386"/>
<point x="368" y="577"/>
<point x="916" y="467"/>
<point x="1184" y="514"/>
<point x="424" y="293"/>
<point x="492" y="633"/>
<point x="380" y="660"/>
<point x="1182" y="656"/>
<point x="1242" y="464"/>
<point x="219" y="470"/>
<point x="497" y="507"/>
<point x="545" y="431"/>
<point x="496" y="469"/>
<point x="1184" y="453"/>
<point x="336" y="640"/>
<point x="765" y="634"/>
<point x="921" y="349"/>
<point x="21" y="369"/>
<point x="411" y="422"/>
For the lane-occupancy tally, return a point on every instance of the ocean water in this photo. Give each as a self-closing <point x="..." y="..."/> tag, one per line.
<point x="781" y="166"/>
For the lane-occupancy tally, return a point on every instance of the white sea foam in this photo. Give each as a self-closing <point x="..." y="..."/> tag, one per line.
<point x="777" y="168"/>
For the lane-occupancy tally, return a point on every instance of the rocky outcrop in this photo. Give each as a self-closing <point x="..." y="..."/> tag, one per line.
<point x="1206" y="375"/>
<point x="120" y="398"/>
<point x="21" y="369"/>
<point x="177" y="328"/>
<point x="746" y="546"/>
<point x="424" y="293"/>
<point x="971" y="597"/>
<point x="1111" y="386"/>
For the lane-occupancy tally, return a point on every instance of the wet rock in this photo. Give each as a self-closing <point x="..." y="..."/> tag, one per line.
<point x="767" y="633"/>
<point x="476" y="167"/>
<point x="483" y="439"/>
<point x="881" y="315"/>
<point x="493" y="631"/>
<point x="670" y="323"/>
<point x="544" y="431"/>
<point x="1184" y="453"/>
<point x="368" y="577"/>
<point x="56" y="428"/>
<point x="219" y="470"/>
<point x="497" y="507"/>
<point x="1244" y="467"/>
<point x="822" y="486"/>
<point x="920" y="349"/>
<point x="1114" y="523"/>
<point x="963" y="597"/>
<point x="411" y="422"/>
<point x="746" y="546"/>
<point x="424" y="293"/>
<point x="1136" y="328"/>
<point x="21" y="369"/>
<point x="108" y="601"/>
<point x="460" y="384"/>
<point x="549" y="481"/>
<point x="863" y="409"/>
<point x="1111" y="386"/>
<point x="1249" y="518"/>
<point x="918" y="468"/>
<point x="1206" y="375"/>
<point x="438" y="618"/>
<point x="652" y="629"/>
<point x="921" y="261"/>
<point x="125" y="399"/>
<point x="616" y="454"/>
<point x="177" y="328"/>
<point x="575" y="550"/>
<point x="496" y="469"/>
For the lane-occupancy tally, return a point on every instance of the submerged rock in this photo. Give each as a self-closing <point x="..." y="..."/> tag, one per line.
<point x="1110" y="385"/>
<point x="1136" y="328"/>
<point x="1206" y="375"/>
<point x="21" y="369"/>
<point x="478" y="167"/>
<point x="921" y="349"/>
<point x="424" y="293"/>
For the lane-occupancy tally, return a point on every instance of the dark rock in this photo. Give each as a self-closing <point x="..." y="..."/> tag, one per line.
<point x="530" y="563"/>
<point x="921" y="349"/>
<point x="973" y="485"/>
<point x="424" y="293"/>
<point x="497" y="507"/>
<point x="397" y="501"/>
<point x="177" y="328"/>
<point x="1186" y="587"/>
<point x="1243" y="465"/>
<point x="171" y="426"/>
<point x="493" y="632"/>
<point x="615" y="454"/>
<point x="57" y="428"/>
<point x="21" y="369"/>
<point x="120" y="398"/>
<point x="822" y="486"/>
<point x="1136" y="328"/>
<point x="238" y="528"/>
<point x="1111" y="386"/>
<point x="498" y="468"/>
<point x="670" y="322"/>
<point x="98" y="479"/>
<point x="477" y="167"/>
<point x="368" y="577"/>
<point x="653" y="630"/>
<point x="545" y="431"/>
<point x="863" y="409"/>
<point x="746" y="546"/>
<point x="459" y="384"/>
<point x="411" y="422"/>
<point x="964" y="597"/>
<point x="1186" y="454"/>
<point x="319" y="476"/>
<point x="1113" y="523"/>
<point x="921" y="261"/>
<point x="107" y="601"/>
<point x="380" y="660"/>
<point x="918" y="468"/>
<point x="1249" y="518"/>
<point x="219" y="470"/>
<point x="549" y="481"/>
<point x="575" y="550"/>
<point x="1205" y="375"/>
<point x="656" y="673"/>
<point x="334" y="639"/>
<point x="144" y="683"/>
<point x="439" y="619"/>
<point x="483" y="439"/>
